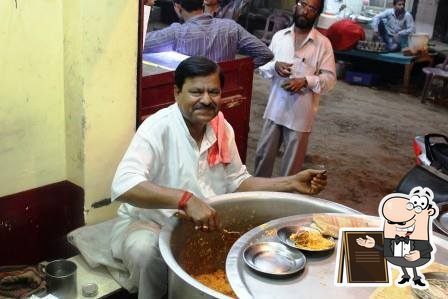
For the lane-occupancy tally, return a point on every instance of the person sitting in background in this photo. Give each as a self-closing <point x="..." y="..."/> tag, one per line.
<point x="179" y="158"/>
<point x="393" y="26"/>
<point x="203" y="35"/>
<point x="226" y="9"/>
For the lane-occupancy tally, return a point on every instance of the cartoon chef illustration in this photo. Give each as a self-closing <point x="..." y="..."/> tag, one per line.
<point x="407" y="222"/>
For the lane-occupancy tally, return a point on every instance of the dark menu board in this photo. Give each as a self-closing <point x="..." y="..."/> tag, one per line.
<point x="362" y="265"/>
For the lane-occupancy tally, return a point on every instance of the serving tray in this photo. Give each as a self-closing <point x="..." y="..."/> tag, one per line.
<point x="315" y="281"/>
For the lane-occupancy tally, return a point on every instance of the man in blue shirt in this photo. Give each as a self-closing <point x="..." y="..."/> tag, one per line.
<point x="202" y="35"/>
<point x="393" y="26"/>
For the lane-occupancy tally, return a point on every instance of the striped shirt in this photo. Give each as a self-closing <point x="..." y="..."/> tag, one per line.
<point x="203" y="35"/>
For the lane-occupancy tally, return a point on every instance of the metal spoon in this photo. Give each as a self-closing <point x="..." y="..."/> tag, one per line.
<point x="230" y="232"/>
<point x="224" y="230"/>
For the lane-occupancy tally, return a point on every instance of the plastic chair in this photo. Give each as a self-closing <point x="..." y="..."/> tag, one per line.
<point x="276" y="21"/>
<point x="438" y="72"/>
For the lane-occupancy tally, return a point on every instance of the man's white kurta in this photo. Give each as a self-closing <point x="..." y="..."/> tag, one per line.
<point x="296" y="111"/>
<point x="164" y="153"/>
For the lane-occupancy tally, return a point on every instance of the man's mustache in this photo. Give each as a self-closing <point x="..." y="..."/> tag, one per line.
<point x="211" y="106"/>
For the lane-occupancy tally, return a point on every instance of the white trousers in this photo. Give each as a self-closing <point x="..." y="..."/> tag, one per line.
<point x="135" y="242"/>
<point x="271" y="138"/>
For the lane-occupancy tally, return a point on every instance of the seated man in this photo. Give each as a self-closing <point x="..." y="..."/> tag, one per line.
<point x="393" y="26"/>
<point x="203" y="35"/>
<point x="179" y="158"/>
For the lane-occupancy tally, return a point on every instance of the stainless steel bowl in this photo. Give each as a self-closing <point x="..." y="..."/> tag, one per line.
<point x="238" y="212"/>
<point x="273" y="258"/>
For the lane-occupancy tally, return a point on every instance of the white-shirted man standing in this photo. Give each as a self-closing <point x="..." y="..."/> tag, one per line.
<point x="303" y="68"/>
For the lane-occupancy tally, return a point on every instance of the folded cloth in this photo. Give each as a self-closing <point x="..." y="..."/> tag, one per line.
<point x="219" y="152"/>
<point x="21" y="281"/>
<point x="344" y="35"/>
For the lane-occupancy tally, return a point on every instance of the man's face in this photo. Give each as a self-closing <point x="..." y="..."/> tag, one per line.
<point x="399" y="7"/>
<point x="404" y="218"/>
<point x="305" y="13"/>
<point x="200" y="98"/>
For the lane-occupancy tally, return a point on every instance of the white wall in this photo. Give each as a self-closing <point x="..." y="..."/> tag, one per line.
<point x="426" y="16"/>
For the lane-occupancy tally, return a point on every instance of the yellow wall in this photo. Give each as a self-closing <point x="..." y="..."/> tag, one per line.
<point x="73" y="91"/>
<point x="67" y="91"/>
<point x="110" y="62"/>
<point x="32" y="130"/>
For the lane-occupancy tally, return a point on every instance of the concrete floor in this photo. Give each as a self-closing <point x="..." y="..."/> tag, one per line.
<point x="363" y="136"/>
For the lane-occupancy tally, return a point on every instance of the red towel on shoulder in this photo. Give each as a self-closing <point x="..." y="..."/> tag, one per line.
<point x="219" y="152"/>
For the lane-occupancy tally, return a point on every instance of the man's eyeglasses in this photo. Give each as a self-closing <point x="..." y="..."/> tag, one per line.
<point x="307" y="7"/>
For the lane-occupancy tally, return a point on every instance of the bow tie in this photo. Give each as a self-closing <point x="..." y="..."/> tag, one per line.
<point x="399" y="239"/>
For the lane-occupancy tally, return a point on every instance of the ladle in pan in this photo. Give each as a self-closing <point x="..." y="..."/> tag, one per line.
<point x="224" y="230"/>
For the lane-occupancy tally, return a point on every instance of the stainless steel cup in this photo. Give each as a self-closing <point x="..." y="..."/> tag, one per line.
<point x="61" y="278"/>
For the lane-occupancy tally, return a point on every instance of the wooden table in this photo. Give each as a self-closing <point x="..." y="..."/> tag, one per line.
<point x="392" y="57"/>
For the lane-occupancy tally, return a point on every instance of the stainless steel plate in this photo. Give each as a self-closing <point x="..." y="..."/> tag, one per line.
<point x="273" y="258"/>
<point x="319" y="274"/>
<point x="442" y="220"/>
<point x="285" y="233"/>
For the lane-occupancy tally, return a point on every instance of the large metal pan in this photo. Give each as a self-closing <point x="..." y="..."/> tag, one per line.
<point x="187" y="251"/>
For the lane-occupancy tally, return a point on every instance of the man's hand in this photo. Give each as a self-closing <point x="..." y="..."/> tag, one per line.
<point x="412" y="255"/>
<point x="368" y="242"/>
<point x="294" y="85"/>
<point x="310" y="181"/>
<point x="203" y="216"/>
<point x="283" y="68"/>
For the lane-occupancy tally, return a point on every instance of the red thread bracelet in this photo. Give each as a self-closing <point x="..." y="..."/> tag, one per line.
<point x="183" y="200"/>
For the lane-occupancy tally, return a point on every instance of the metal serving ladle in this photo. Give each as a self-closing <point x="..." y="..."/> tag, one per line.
<point x="224" y="230"/>
<point x="230" y="231"/>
